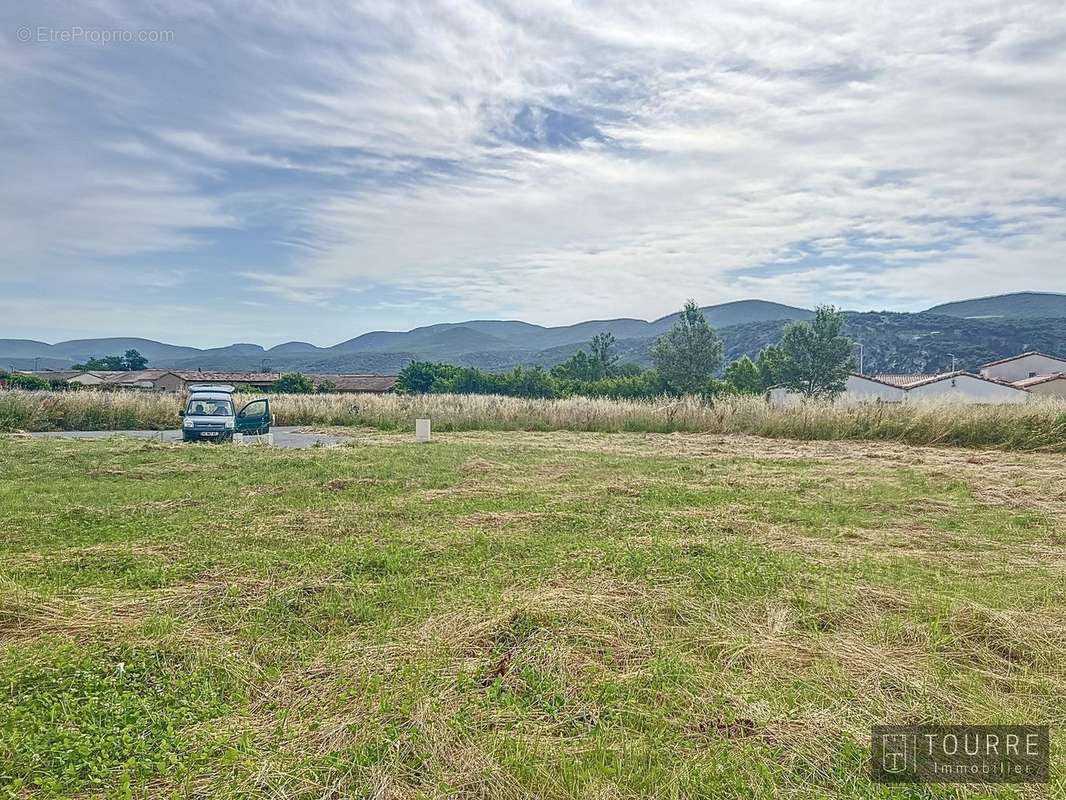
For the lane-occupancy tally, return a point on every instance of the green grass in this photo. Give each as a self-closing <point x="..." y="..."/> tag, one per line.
<point x="516" y="615"/>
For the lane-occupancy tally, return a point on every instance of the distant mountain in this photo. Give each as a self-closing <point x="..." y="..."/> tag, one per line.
<point x="891" y="341"/>
<point x="24" y="353"/>
<point x="288" y="348"/>
<point x="1021" y="305"/>
<point x="739" y="313"/>
<point x="24" y="348"/>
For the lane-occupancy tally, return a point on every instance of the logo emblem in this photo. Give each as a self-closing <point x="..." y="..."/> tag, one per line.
<point x="894" y="755"/>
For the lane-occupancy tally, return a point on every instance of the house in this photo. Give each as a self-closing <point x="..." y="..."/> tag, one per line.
<point x="178" y="381"/>
<point x="344" y="382"/>
<point x="1022" y="366"/>
<point x="158" y="379"/>
<point x="870" y="389"/>
<point x="903" y="379"/>
<point x="965" y="387"/>
<point x="135" y="379"/>
<point x="164" y="380"/>
<point x="858" y="389"/>
<point x="82" y="378"/>
<point x="1045" y="385"/>
<point x="375" y="384"/>
<point x="959" y="387"/>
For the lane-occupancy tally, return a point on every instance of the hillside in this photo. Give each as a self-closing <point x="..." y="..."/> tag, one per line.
<point x="892" y="341"/>
<point x="740" y="312"/>
<point x="1021" y="305"/>
<point x="475" y="342"/>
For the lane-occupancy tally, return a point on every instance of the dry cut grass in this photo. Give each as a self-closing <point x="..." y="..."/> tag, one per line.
<point x="507" y="615"/>
<point x="1037" y="425"/>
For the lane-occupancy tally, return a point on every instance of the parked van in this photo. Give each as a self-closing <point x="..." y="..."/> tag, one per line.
<point x="209" y="415"/>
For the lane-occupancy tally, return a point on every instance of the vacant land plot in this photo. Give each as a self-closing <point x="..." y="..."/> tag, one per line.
<point x="517" y="615"/>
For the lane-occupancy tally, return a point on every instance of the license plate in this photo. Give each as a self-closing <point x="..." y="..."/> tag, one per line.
<point x="209" y="433"/>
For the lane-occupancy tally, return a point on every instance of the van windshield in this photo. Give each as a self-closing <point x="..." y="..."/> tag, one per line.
<point x="200" y="407"/>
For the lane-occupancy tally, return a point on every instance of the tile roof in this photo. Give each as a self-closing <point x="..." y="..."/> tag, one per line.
<point x="136" y="375"/>
<point x="875" y="379"/>
<point x="1022" y="355"/>
<point x="345" y="382"/>
<point x="958" y="374"/>
<point x="902" y="380"/>
<point x="227" y="377"/>
<point x="56" y="374"/>
<point x="1025" y="383"/>
<point x="360" y="383"/>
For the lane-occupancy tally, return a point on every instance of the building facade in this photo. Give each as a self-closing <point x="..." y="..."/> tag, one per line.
<point x="965" y="387"/>
<point x="1045" y="385"/>
<point x="1023" y="366"/>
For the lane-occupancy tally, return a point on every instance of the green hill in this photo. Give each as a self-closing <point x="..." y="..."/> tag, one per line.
<point x="975" y="331"/>
<point x="1020" y="305"/>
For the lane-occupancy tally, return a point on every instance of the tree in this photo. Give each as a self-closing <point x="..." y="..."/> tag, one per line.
<point x="769" y="364"/>
<point x="420" y="377"/>
<point x="597" y="364"/>
<point x="579" y="367"/>
<point x="293" y="383"/>
<point x="134" y="360"/>
<point x="325" y="386"/>
<point x="130" y="361"/>
<point x="20" y="380"/>
<point x="743" y="377"/>
<point x="689" y="354"/>
<point x="816" y="356"/>
<point x="108" y="363"/>
<point x="600" y="347"/>
<point x="529" y="382"/>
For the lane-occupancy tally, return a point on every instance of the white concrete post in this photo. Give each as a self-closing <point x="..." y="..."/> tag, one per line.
<point x="421" y="430"/>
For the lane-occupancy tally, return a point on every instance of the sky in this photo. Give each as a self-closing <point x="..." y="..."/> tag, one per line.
<point x="210" y="172"/>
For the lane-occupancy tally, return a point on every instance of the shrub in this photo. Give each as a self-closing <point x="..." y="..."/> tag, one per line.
<point x="19" y="380"/>
<point x="293" y="383"/>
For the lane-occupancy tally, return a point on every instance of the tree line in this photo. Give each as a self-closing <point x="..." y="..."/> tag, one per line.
<point x="813" y="358"/>
<point x="130" y="361"/>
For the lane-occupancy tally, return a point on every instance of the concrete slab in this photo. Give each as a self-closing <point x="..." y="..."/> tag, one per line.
<point x="290" y="437"/>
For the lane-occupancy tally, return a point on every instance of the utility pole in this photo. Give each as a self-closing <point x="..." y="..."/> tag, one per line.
<point x="953" y="360"/>
<point x="859" y="345"/>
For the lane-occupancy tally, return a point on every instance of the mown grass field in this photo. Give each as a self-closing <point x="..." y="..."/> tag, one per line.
<point x="517" y="615"/>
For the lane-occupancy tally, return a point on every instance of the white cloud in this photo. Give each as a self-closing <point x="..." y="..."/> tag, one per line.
<point x="896" y="155"/>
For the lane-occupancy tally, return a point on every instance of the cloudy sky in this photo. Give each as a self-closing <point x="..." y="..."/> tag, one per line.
<point x="300" y="170"/>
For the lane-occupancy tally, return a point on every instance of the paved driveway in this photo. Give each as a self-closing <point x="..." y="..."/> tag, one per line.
<point x="283" y="437"/>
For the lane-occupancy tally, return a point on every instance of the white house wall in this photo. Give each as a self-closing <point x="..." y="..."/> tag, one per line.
<point x="1055" y="388"/>
<point x="862" y="390"/>
<point x="856" y="390"/>
<point x="1025" y="367"/>
<point x="967" y="389"/>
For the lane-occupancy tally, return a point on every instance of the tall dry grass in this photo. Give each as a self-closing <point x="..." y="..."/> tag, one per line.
<point x="1037" y="425"/>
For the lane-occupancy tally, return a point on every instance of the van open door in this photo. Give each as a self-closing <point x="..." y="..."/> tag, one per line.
<point x="254" y="418"/>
